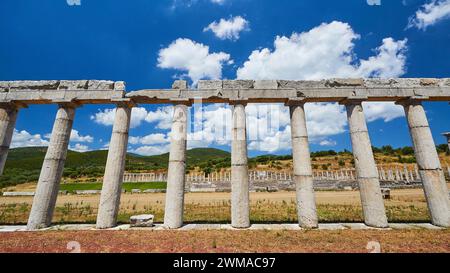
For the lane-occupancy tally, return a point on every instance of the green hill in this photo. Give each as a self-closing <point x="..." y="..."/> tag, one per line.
<point x="24" y="164"/>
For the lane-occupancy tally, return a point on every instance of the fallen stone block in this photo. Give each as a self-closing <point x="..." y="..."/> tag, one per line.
<point x="272" y="189"/>
<point x="18" y="193"/>
<point x="136" y="191"/>
<point x="88" y="192"/>
<point x="144" y="220"/>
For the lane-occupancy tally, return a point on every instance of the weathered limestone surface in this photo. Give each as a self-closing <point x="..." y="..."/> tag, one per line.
<point x="306" y="203"/>
<point x="115" y="167"/>
<point x="8" y="116"/>
<point x="430" y="169"/>
<point x="39" y="92"/>
<point x="48" y="185"/>
<point x="369" y="184"/>
<point x="240" y="208"/>
<point x="173" y="214"/>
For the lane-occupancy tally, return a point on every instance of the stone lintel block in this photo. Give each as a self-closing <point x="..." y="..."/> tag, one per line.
<point x="73" y="85"/>
<point x="283" y="84"/>
<point x="344" y="82"/>
<point x="100" y="85"/>
<point x="444" y="82"/>
<point x="180" y="84"/>
<point x="238" y="84"/>
<point x="210" y="84"/>
<point x="119" y="86"/>
<point x="266" y="84"/>
<point x="33" y="85"/>
<point x="429" y="82"/>
<point x="4" y="86"/>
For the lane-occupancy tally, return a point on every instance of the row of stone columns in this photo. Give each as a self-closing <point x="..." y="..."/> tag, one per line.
<point x="373" y="208"/>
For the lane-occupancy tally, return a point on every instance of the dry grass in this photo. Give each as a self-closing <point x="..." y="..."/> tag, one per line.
<point x="228" y="241"/>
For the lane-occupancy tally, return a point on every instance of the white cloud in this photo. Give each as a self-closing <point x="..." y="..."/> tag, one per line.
<point x="323" y="52"/>
<point x="151" y="139"/>
<point x="79" y="148"/>
<point x="106" y="117"/>
<point x="151" y="150"/>
<point x="430" y="14"/>
<point x="228" y="29"/>
<point x="25" y="139"/>
<point x="327" y="142"/>
<point x="162" y="116"/>
<point x="76" y="137"/>
<point x="193" y="58"/>
<point x="326" y="51"/>
<point x="386" y="111"/>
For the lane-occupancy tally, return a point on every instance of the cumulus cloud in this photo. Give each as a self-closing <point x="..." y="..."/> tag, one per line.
<point x="161" y="116"/>
<point x="150" y="139"/>
<point x="194" y="59"/>
<point x="430" y="14"/>
<point x="106" y="117"/>
<point x="386" y="111"/>
<point x="228" y="29"/>
<point x="149" y="150"/>
<point x="79" y="148"/>
<point x="75" y="136"/>
<point x="323" y="52"/>
<point x="25" y="139"/>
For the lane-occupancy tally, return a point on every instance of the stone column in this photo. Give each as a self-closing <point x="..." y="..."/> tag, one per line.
<point x="52" y="169"/>
<point x="8" y="116"/>
<point x="447" y="136"/>
<point x="430" y="169"/>
<point x="240" y="199"/>
<point x="366" y="169"/>
<point x="115" y="167"/>
<point x="173" y="213"/>
<point x="303" y="174"/>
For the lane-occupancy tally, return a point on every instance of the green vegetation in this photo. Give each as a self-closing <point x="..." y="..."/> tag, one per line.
<point x="72" y="187"/>
<point x="24" y="164"/>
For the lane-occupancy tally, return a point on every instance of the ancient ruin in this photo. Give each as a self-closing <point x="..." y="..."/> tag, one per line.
<point x="68" y="95"/>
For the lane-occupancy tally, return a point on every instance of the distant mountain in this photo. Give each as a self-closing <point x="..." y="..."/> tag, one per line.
<point x="24" y="164"/>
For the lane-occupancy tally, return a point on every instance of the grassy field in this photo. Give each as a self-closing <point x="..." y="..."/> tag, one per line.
<point x="405" y="206"/>
<point x="213" y="241"/>
<point x="72" y="187"/>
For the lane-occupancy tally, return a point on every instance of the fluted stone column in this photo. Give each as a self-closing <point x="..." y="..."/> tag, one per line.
<point x="8" y="116"/>
<point x="52" y="169"/>
<point x="303" y="174"/>
<point x="366" y="169"/>
<point x="240" y="199"/>
<point x="430" y="169"/>
<point x="447" y="136"/>
<point x="173" y="212"/>
<point x="115" y="167"/>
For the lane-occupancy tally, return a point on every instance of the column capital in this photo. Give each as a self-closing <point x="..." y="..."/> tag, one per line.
<point x="353" y="101"/>
<point x="182" y="101"/>
<point x="243" y="102"/>
<point x="416" y="100"/>
<point x="67" y="103"/>
<point x="124" y="102"/>
<point x="13" y="105"/>
<point x="295" y="102"/>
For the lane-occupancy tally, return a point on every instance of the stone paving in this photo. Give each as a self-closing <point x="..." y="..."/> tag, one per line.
<point x="333" y="226"/>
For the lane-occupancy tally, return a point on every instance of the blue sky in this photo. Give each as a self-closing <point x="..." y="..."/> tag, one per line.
<point x="148" y="44"/>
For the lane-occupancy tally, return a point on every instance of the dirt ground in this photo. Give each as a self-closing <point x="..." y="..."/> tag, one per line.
<point x="347" y="241"/>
